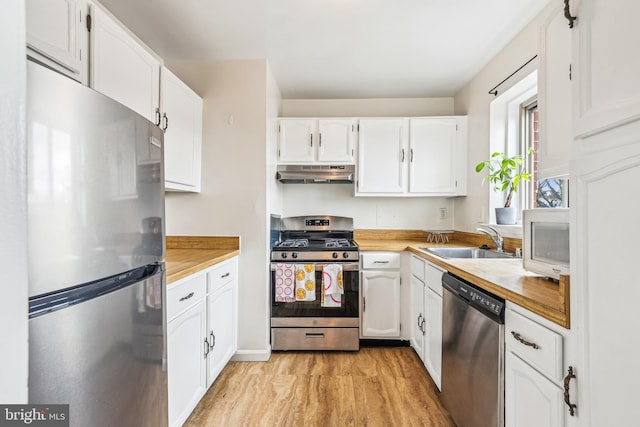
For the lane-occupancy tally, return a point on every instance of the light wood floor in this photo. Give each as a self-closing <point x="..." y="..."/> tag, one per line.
<point x="372" y="387"/>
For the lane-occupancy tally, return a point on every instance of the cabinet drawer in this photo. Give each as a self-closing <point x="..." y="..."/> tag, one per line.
<point x="417" y="267"/>
<point x="224" y="273"/>
<point x="380" y="260"/>
<point x="535" y="344"/>
<point x="185" y="293"/>
<point x="314" y="339"/>
<point x="433" y="278"/>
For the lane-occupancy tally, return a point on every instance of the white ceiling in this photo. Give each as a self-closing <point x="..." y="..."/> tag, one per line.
<point x="337" y="48"/>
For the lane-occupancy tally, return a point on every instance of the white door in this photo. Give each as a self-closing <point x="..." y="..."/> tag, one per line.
<point x="221" y="329"/>
<point x="187" y="379"/>
<point x="335" y="140"/>
<point x="123" y="69"/>
<point x="432" y="160"/>
<point x="382" y="156"/>
<point x="182" y="123"/>
<point x="606" y="37"/>
<point x="296" y="144"/>
<point x="417" y="316"/>
<point x="433" y="334"/>
<point x="381" y="304"/>
<point x="531" y="400"/>
<point x="554" y="96"/>
<point x="54" y="30"/>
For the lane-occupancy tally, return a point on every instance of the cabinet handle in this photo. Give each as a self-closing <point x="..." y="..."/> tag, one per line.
<point x="364" y="304"/>
<point x="419" y="321"/>
<point x="311" y="140"/>
<point x="225" y="275"/>
<point x="411" y="156"/>
<point x="320" y="140"/>
<point x="206" y="347"/>
<point x="567" y="379"/>
<point x="213" y="340"/>
<point x="381" y="262"/>
<point x="166" y="122"/>
<point x="402" y="156"/>
<point x="158" y="117"/>
<point x="314" y="334"/>
<point x="422" y="328"/>
<point x="523" y="341"/>
<point x="567" y="14"/>
<point x="186" y="297"/>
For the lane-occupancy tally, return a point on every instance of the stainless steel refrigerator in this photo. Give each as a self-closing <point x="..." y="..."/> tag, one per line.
<point x="97" y="335"/>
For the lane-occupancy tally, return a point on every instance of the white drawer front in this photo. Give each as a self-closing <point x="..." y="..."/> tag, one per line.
<point x="417" y="267"/>
<point x="222" y="274"/>
<point x="183" y="294"/>
<point x="380" y="260"/>
<point x="535" y="344"/>
<point x="433" y="276"/>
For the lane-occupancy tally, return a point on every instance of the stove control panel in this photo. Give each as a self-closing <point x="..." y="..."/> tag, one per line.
<point x="316" y="222"/>
<point x="315" y="256"/>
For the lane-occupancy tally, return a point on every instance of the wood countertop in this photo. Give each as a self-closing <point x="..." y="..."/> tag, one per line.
<point x="503" y="277"/>
<point x="189" y="254"/>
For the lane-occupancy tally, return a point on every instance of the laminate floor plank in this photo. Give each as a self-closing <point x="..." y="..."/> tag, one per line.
<point x="372" y="387"/>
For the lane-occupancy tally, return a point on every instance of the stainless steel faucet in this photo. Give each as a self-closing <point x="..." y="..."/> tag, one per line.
<point x="498" y="240"/>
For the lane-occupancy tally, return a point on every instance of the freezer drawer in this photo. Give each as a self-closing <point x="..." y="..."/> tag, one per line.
<point x="315" y="339"/>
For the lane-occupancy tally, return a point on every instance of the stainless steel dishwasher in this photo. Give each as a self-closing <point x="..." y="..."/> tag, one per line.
<point x="472" y="354"/>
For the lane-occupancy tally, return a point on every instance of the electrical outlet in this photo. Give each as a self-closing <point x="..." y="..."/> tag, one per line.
<point x="443" y="213"/>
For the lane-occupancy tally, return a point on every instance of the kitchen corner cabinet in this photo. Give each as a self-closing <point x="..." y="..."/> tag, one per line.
<point x="57" y="35"/>
<point x="202" y="334"/>
<point x="182" y="124"/>
<point x="121" y="67"/>
<point x="317" y="141"/>
<point x="412" y="157"/>
<point x="380" y="300"/>
<point x="554" y="96"/>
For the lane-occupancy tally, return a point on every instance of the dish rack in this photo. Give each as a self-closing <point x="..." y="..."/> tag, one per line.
<point x="438" y="236"/>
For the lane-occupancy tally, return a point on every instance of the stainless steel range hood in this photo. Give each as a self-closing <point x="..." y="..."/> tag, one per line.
<point x="324" y="174"/>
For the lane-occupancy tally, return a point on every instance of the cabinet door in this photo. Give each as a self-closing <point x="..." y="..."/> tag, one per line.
<point x="55" y="34"/>
<point x="433" y="334"/>
<point x="382" y="156"/>
<point x="186" y="362"/>
<point x="531" y="400"/>
<point x="554" y="96"/>
<point x="182" y="123"/>
<point x="606" y="38"/>
<point x="417" y="316"/>
<point x="221" y="315"/>
<point x="335" y="141"/>
<point x="432" y="155"/>
<point x="296" y="140"/>
<point x="381" y="304"/>
<point x="123" y="69"/>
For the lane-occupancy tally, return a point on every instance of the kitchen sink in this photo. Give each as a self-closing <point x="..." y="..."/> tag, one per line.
<point x="466" y="253"/>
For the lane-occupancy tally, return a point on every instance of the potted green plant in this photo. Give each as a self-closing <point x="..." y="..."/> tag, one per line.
<point x="505" y="173"/>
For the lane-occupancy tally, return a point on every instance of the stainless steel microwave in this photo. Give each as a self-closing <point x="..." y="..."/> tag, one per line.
<point x="545" y="241"/>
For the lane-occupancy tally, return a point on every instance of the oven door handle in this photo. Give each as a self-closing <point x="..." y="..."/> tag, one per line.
<point x="347" y="266"/>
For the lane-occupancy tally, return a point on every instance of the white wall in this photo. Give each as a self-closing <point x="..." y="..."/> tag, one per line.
<point x="473" y="100"/>
<point x="13" y="208"/>
<point x="234" y="193"/>
<point x="338" y="199"/>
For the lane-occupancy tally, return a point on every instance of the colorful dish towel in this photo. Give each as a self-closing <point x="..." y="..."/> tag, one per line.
<point x="332" y="286"/>
<point x="305" y="282"/>
<point x="285" y="283"/>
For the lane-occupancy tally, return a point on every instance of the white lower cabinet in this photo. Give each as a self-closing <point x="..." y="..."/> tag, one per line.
<point x="380" y="301"/>
<point x="433" y="334"/>
<point x="417" y="315"/>
<point x="202" y="334"/>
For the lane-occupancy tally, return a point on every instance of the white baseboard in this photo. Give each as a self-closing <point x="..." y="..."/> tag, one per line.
<point x="252" y="355"/>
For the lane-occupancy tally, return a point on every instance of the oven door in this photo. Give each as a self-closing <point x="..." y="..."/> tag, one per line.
<point x="350" y="298"/>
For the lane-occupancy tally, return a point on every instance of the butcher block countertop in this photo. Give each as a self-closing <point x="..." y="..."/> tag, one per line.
<point x="189" y="254"/>
<point x="503" y="277"/>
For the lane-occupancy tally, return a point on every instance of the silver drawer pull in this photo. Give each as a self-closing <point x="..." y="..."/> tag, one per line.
<point x="225" y="275"/>
<point x="381" y="262"/>
<point x="186" y="297"/>
<point x="314" y="334"/>
<point x="523" y="341"/>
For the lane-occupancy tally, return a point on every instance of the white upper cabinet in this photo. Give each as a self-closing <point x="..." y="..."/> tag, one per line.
<point x="57" y="35"/>
<point x="122" y="68"/>
<point x="554" y="96"/>
<point x="607" y="67"/>
<point x="318" y="141"/>
<point x="382" y="156"/>
<point x="412" y="157"/>
<point x="182" y="124"/>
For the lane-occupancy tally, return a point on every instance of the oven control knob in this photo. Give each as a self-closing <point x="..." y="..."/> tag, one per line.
<point x="294" y="255"/>
<point x="334" y="255"/>
<point x="284" y="255"/>
<point x="345" y="254"/>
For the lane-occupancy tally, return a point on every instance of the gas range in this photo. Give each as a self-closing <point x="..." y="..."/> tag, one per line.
<point x="316" y="238"/>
